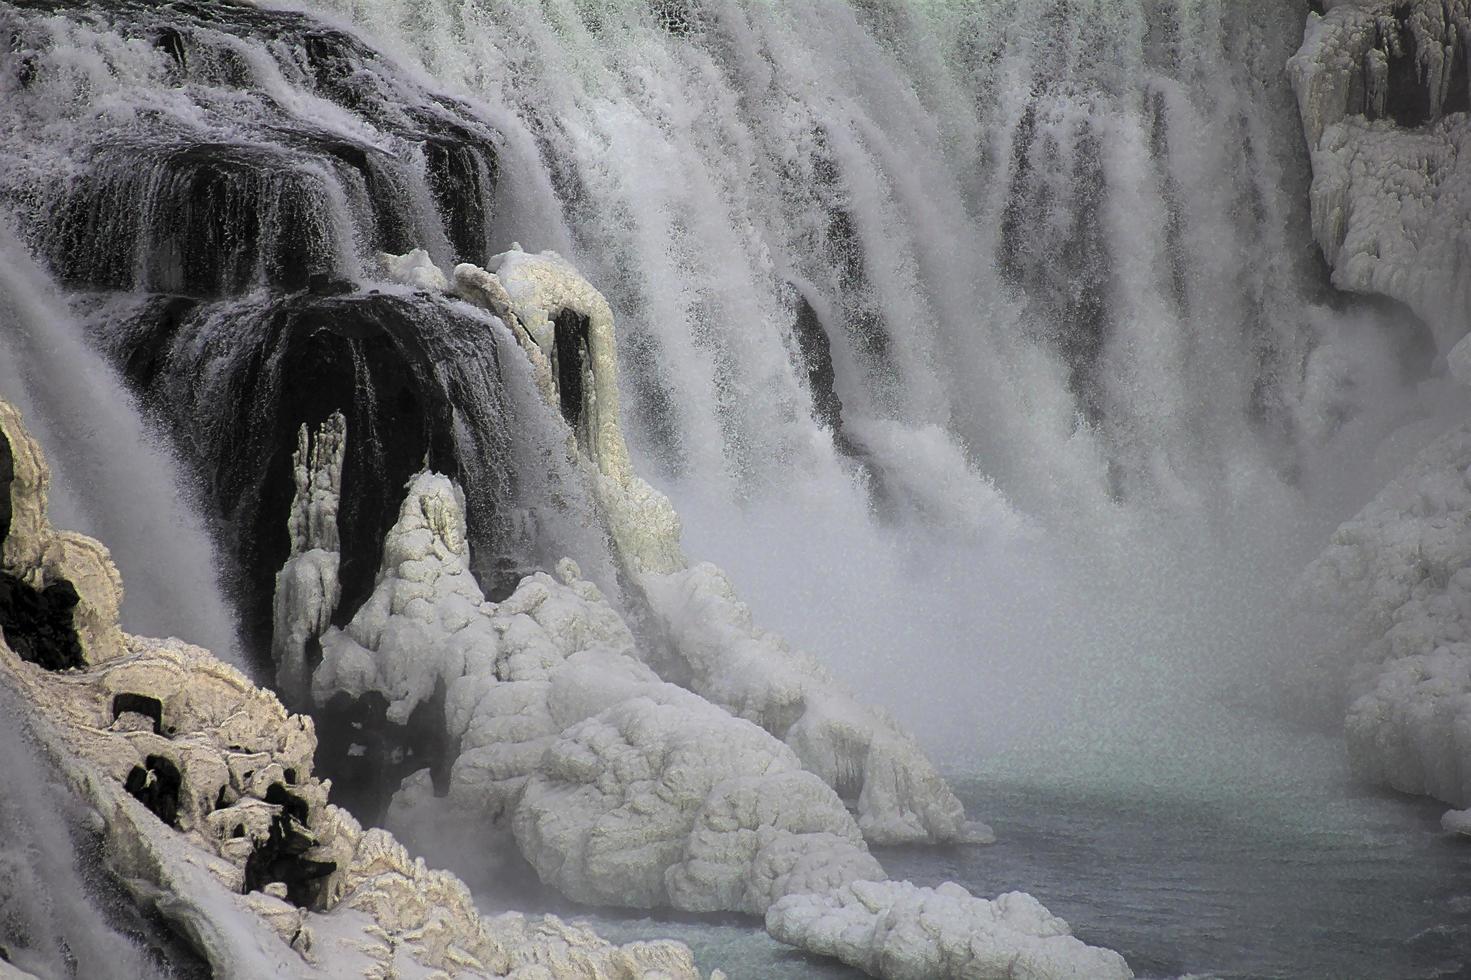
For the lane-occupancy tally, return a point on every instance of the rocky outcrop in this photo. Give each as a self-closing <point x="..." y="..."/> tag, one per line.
<point x="1384" y="90"/>
<point x="899" y="931"/>
<point x="204" y="787"/>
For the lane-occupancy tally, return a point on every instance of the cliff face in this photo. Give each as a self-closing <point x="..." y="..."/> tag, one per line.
<point x="203" y="784"/>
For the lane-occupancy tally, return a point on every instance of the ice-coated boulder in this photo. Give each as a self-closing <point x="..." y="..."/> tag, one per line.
<point x="664" y="799"/>
<point x="203" y="785"/>
<point x="1382" y="88"/>
<point x="899" y="931"/>
<point x="1396" y="580"/>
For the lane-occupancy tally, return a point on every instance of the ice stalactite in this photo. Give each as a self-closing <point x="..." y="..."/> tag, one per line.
<point x="203" y="785"/>
<point x="1384" y="90"/>
<point x="307" y="587"/>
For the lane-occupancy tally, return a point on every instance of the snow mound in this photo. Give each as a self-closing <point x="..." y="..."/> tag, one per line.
<point x="900" y="931"/>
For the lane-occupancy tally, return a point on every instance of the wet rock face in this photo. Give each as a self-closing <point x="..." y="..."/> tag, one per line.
<point x="217" y="186"/>
<point x="37" y="623"/>
<point x="402" y="370"/>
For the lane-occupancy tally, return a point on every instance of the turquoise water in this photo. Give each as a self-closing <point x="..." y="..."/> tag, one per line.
<point x="1306" y="879"/>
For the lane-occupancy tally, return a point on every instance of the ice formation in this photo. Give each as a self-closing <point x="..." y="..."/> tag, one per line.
<point x="724" y="792"/>
<point x="307" y="587"/>
<point x="1398" y="578"/>
<point x="720" y="653"/>
<point x="622" y="789"/>
<point x="1383" y="90"/>
<point x="899" y="931"/>
<point x="203" y="785"/>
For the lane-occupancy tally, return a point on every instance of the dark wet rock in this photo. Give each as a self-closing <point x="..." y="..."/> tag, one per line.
<point x="570" y="333"/>
<point x="37" y="623"/>
<point x="417" y="380"/>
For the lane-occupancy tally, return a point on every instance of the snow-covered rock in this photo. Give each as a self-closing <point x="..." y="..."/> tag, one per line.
<point x="1382" y="89"/>
<point x="900" y="931"/>
<point x="415" y="268"/>
<point x="1396" y="579"/>
<point x="204" y="790"/>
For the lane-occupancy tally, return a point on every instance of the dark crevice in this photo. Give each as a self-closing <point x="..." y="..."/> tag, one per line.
<point x="367" y="757"/>
<point x="156" y="784"/>
<point x="570" y="332"/>
<point x="37" y="623"/>
<point x="7" y="477"/>
<point x="140" y="704"/>
<point x="281" y="858"/>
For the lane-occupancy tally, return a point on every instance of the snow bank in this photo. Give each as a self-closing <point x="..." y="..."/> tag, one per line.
<point x="899" y="931"/>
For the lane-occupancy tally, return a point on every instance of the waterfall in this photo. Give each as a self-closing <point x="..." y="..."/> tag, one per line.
<point x="985" y="334"/>
<point x="943" y="325"/>
<point x="113" y="481"/>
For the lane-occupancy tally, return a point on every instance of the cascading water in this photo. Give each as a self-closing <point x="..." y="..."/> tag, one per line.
<point x="114" y="481"/>
<point x="983" y="343"/>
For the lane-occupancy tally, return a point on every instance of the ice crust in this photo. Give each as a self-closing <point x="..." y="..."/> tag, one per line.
<point x="377" y="912"/>
<point x="900" y="931"/>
